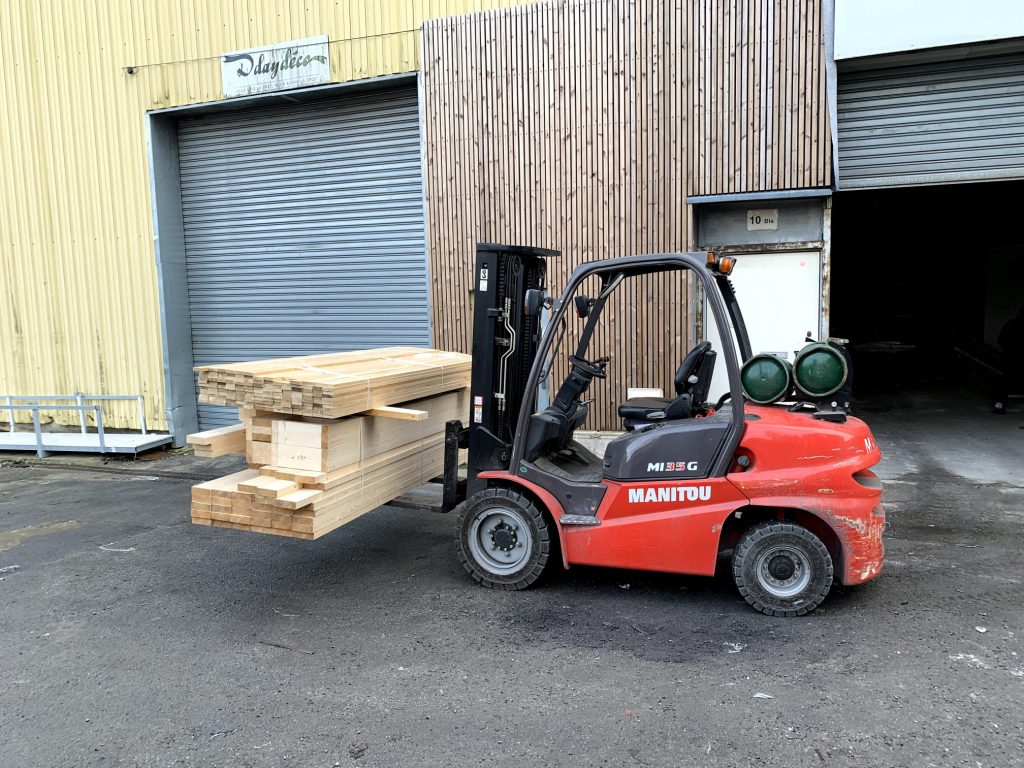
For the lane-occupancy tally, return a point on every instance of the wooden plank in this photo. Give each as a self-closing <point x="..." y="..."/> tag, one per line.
<point x="218" y="442"/>
<point x="276" y="488"/>
<point x="337" y="384"/>
<point x="300" y="476"/>
<point x="211" y="436"/>
<point x="258" y="453"/>
<point x="358" y="469"/>
<point x="326" y="446"/>
<point x="228" y="482"/>
<point x="373" y="495"/>
<point x="259" y="529"/>
<point x="387" y="457"/>
<point x="255" y="483"/>
<point x="299" y="498"/>
<point x="235" y="500"/>
<point x="392" y="412"/>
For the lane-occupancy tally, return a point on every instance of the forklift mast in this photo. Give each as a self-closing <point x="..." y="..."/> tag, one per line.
<point x="505" y="341"/>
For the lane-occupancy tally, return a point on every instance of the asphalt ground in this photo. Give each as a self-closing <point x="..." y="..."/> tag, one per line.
<point x="129" y="637"/>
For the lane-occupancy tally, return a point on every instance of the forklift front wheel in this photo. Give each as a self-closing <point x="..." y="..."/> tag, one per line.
<point x="503" y="540"/>
<point x="782" y="569"/>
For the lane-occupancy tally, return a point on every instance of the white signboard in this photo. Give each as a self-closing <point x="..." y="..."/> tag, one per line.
<point x="765" y="218"/>
<point x="293" y="64"/>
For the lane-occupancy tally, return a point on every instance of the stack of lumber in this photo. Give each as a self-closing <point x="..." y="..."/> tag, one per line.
<point x="309" y="474"/>
<point x="334" y="385"/>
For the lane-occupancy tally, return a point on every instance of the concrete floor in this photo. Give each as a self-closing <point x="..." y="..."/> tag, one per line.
<point x="130" y="637"/>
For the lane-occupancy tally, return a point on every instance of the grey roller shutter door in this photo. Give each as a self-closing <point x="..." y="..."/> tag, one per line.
<point x="932" y="123"/>
<point x="304" y="230"/>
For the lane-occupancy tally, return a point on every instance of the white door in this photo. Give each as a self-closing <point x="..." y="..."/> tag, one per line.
<point x="780" y="296"/>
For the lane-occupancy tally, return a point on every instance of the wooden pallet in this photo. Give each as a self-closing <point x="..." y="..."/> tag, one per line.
<point x="334" y="385"/>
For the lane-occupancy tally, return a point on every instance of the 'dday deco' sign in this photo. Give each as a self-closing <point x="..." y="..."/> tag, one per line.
<point x="276" y="68"/>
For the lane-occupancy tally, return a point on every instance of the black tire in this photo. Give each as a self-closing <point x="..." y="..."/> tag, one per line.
<point x="503" y="539"/>
<point x="782" y="569"/>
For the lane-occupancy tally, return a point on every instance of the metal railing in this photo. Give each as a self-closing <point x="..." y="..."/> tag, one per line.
<point x="33" y="403"/>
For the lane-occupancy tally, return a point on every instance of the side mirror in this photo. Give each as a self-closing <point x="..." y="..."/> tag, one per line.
<point x="534" y="301"/>
<point x="582" y="306"/>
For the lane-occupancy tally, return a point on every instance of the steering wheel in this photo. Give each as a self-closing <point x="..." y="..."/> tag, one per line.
<point x="594" y="369"/>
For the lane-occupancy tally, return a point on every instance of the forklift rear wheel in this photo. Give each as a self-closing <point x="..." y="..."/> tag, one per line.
<point x="782" y="569"/>
<point x="504" y="541"/>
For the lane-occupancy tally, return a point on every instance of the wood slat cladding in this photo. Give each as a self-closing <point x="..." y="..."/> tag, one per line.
<point x="756" y="96"/>
<point x="563" y="125"/>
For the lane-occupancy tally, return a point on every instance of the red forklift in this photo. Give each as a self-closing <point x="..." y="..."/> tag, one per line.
<point x="786" y="487"/>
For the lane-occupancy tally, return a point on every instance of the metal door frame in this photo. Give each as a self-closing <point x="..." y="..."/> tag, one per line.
<point x="822" y="246"/>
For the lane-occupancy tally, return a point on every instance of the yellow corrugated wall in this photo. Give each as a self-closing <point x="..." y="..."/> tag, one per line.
<point x="78" y="299"/>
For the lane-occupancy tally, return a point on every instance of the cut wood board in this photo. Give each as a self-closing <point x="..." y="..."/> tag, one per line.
<point x="334" y="385"/>
<point x="359" y="475"/>
<point x="258" y="435"/>
<point x="324" y="446"/>
<point x="218" y="442"/>
<point x="391" y="412"/>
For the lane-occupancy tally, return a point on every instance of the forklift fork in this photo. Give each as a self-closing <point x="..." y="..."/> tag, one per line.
<point x="456" y="436"/>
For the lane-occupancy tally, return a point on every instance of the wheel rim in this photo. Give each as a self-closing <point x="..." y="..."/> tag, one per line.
<point x="783" y="571"/>
<point x="500" y="540"/>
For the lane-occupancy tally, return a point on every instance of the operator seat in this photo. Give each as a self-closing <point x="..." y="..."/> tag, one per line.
<point x="692" y="380"/>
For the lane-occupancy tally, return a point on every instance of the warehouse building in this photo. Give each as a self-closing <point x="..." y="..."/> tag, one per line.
<point x="227" y="182"/>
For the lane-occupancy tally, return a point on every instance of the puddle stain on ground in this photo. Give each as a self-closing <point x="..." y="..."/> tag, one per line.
<point x="11" y="539"/>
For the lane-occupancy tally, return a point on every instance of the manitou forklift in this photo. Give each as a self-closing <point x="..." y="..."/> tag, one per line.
<point x="787" y="488"/>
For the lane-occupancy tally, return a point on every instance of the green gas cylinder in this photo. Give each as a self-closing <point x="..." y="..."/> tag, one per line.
<point x="766" y="378"/>
<point x="819" y="369"/>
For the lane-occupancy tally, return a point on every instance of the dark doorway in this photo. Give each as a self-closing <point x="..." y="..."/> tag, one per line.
<point x="923" y="280"/>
